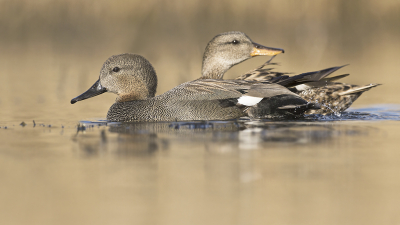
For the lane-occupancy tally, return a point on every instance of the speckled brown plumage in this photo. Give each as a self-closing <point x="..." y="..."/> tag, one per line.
<point x="315" y="87"/>
<point x="333" y="97"/>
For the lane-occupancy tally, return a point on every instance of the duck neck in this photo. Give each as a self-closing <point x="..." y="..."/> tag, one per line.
<point x="214" y="68"/>
<point x="140" y="93"/>
<point x="129" y="97"/>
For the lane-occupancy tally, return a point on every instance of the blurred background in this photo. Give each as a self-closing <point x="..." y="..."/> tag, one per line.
<point x="322" y="172"/>
<point x="52" y="51"/>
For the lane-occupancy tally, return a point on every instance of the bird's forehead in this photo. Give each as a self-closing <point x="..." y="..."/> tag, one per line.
<point x="120" y="62"/>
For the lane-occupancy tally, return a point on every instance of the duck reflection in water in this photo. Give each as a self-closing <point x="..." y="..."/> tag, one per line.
<point x="219" y="137"/>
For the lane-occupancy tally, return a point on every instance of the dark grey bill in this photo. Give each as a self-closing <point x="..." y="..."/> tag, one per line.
<point x="94" y="90"/>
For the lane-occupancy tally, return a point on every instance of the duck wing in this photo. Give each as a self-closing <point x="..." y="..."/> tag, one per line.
<point x="283" y="78"/>
<point x="306" y="77"/>
<point x="257" y="99"/>
<point x="210" y="89"/>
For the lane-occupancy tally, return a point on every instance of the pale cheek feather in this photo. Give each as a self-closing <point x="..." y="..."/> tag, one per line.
<point x="249" y="100"/>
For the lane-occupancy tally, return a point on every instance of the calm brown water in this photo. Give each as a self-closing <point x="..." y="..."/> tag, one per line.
<point x="321" y="170"/>
<point x="246" y="172"/>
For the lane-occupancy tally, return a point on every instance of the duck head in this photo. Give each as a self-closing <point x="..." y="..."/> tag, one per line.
<point x="130" y="76"/>
<point x="228" y="49"/>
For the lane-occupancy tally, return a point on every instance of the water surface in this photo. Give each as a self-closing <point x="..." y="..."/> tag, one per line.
<point x="327" y="170"/>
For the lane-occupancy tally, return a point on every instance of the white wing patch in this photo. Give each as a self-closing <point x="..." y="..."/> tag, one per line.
<point x="302" y="87"/>
<point x="249" y="100"/>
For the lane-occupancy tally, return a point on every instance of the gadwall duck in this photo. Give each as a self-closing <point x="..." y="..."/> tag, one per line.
<point x="228" y="49"/>
<point x="134" y="80"/>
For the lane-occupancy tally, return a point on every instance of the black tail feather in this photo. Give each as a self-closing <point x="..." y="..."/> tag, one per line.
<point x="306" y="77"/>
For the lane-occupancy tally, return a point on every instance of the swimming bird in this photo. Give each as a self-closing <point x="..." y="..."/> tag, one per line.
<point x="134" y="80"/>
<point x="228" y="49"/>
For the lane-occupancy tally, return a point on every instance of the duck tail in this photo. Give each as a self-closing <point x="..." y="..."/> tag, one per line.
<point x="358" y="89"/>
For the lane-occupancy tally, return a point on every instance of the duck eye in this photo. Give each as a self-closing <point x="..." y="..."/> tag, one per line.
<point x="116" y="69"/>
<point x="235" y="42"/>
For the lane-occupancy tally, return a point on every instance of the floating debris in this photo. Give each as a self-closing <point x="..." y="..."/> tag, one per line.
<point x="34" y="124"/>
<point x="81" y="127"/>
<point x="23" y="124"/>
